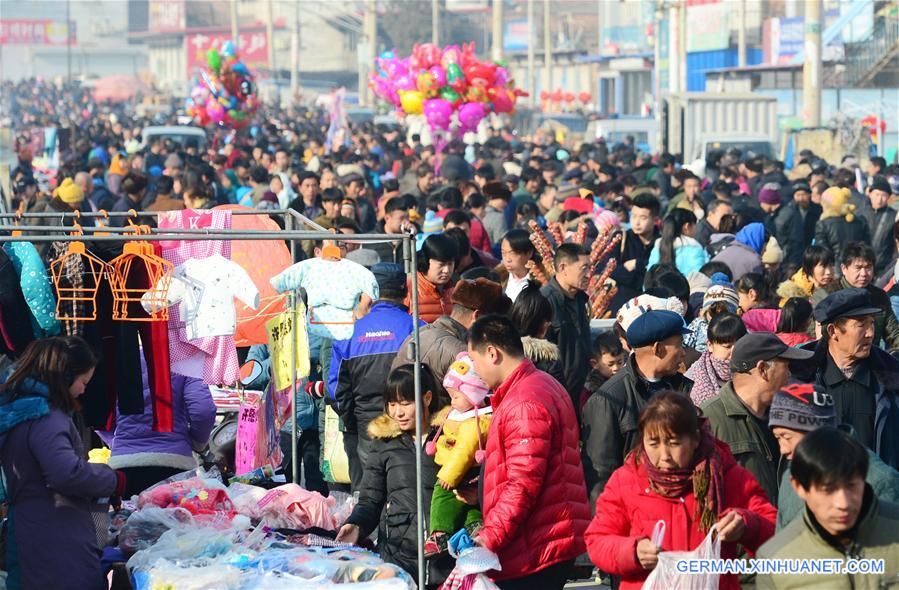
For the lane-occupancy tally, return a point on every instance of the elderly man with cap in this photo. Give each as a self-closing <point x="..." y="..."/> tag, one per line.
<point x="609" y="418"/>
<point x="360" y="365"/>
<point x="862" y="378"/>
<point x="800" y="408"/>
<point x="444" y="338"/>
<point x="759" y="367"/>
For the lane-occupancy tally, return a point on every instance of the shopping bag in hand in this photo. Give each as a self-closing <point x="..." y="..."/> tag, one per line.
<point x="471" y="562"/>
<point x="666" y="576"/>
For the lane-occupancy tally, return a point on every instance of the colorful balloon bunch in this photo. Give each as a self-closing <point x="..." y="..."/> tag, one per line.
<point x="225" y="92"/>
<point x="438" y="83"/>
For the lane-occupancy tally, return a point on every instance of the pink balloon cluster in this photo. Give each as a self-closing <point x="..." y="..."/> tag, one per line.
<point x="437" y="83"/>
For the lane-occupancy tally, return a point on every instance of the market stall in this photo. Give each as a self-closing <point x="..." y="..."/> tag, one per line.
<point x="252" y="536"/>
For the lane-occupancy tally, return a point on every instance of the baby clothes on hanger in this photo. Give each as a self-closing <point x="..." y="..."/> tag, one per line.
<point x="333" y="288"/>
<point x="205" y="290"/>
<point x="213" y="359"/>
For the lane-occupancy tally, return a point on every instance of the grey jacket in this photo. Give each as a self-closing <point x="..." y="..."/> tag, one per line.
<point x="439" y="342"/>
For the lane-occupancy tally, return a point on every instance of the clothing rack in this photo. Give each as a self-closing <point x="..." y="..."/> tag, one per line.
<point x="291" y="219"/>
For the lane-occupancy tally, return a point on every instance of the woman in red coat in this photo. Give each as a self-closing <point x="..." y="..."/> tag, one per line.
<point x="676" y="456"/>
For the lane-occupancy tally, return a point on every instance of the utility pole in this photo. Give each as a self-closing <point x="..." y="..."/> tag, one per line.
<point x="435" y="22"/>
<point x="811" y="69"/>
<point x="682" y="45"/>
<point x="370" y="35"/>
<point x="532" y="44"/>
<point x="235" y="30"/>
<point x="657" y="70"/>
<point x="497" y="30"/>
<point x="270" y="33"/>
<point x="741" y="33"/>
<point x="295" y="51"/>
<point x="547" y="48"/>
<point x="673" y="49"/>
<point x="69" y="41"/>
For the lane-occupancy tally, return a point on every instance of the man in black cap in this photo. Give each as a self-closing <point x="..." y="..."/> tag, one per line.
<point x="881" y="218"/>
<point x="759" y="367"/>
<point x="609" y="418"/>
<point x="360" y="366"/>
<point x="862" y="378"/>
<point x="25" y="194"/>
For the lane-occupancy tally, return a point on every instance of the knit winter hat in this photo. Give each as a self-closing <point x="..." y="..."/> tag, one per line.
<point x="637" y="306"/>
<point x="802" y="407"/>
<point x="721" y="291"/>
<point x="699" y="283"/>
<point x="461" y="376"/>
<point x="770" y="194"/>
<point x="835" y="203"/>
<point x="773" y="253"/>
<point x="69" y="192"/>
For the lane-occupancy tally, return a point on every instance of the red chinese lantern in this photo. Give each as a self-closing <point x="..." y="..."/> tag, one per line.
<point x="584" y="97"/>
<point x="557" y="96"/>
<point x="544" y="95"/>
<point x="569" y="97"/>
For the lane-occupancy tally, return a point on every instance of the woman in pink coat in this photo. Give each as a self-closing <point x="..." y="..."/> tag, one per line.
<point x="680" y="474"/>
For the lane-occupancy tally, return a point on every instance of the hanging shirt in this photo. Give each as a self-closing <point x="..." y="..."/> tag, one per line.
<point x="333" y="288"/>
<point x="206" y="290"/>
<point x="212" y="359"/>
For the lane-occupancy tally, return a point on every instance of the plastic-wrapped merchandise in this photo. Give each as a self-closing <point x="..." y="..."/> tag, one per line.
<point x="290" y="506"/>
<point x="144" y="527"/>
<point x="168" y="575"/>
<point x="199" y="496"/>
<point x="188" y="543"/>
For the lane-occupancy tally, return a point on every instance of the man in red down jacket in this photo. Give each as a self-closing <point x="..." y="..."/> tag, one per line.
<point x="535" y="499"/>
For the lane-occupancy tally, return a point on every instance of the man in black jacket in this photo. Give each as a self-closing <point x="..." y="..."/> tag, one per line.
<point x="861" y="378"/>
<point x="396" y="220"/>
<point x="609" y="418"/>
<point x="783" y="223"/>
<point x="570" y="328"/>
<point x="880" y="218"/>
<point x="633" y="252"/>
<point x="809" y="211"/>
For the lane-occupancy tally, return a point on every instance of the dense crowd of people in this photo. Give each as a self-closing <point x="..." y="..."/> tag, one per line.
<point x="747" y="384"/>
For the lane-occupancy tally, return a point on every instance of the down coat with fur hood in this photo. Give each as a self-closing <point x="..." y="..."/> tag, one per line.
<point x="387" y="497"/>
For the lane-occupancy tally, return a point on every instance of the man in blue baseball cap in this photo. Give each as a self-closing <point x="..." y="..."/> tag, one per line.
<point x="609" y="418"/>
<point x="862" y="378"/>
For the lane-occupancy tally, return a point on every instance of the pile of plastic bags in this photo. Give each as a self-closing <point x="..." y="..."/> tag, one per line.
<point x="193" y="533"/>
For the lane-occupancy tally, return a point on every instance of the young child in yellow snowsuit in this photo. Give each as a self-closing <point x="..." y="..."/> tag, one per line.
<point x="459" y="449"/>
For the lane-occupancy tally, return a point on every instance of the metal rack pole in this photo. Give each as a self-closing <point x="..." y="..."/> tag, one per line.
<point x="292" y="306"/>
<point x="211" y="235"/>
<point x="411" y="259"/>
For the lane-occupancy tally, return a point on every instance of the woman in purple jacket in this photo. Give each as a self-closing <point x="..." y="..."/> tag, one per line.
<point x="148" y="457"/>
<point x="51" y="539"/>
